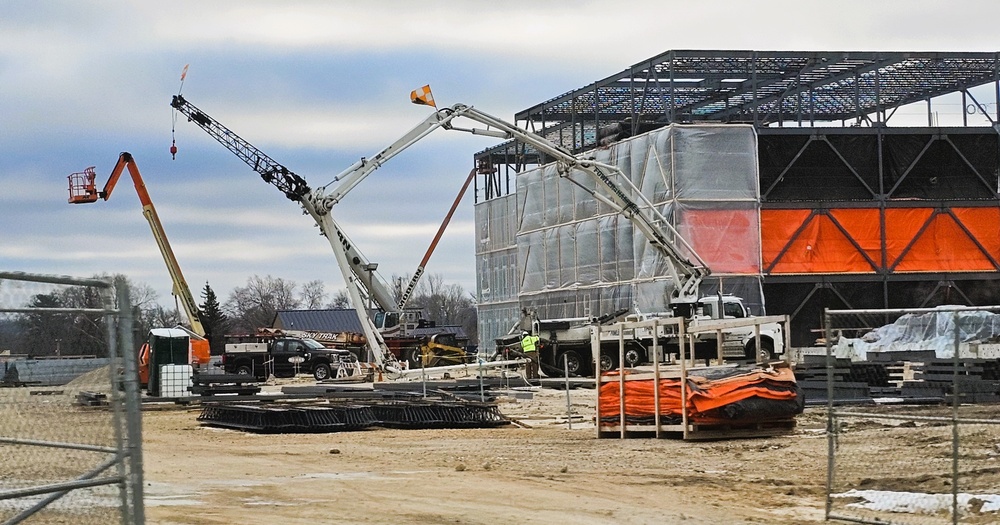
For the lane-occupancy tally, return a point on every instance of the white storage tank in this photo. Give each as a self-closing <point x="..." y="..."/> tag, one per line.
<point x="176" y="380"/>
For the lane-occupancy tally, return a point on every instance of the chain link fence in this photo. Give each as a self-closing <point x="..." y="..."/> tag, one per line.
<point x="912" y="401"/>
<point x="70" y="435"/>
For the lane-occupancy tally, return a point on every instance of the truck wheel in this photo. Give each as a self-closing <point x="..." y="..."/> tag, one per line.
<point x="244" y="370"/>
<point x="766" y="350"/>
<point x="572" y="359"/>
<point x="608" y="362"/>
<point x="415" y="357"/>
<point x="634" y="354"/>
<point x="321" y="372"/>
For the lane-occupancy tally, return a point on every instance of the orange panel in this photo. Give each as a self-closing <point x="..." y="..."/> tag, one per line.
<point x="725" y="239"/>
<point x="984" y="223"/>
<point x="776" y="229"/>
<point x="864" y="227"/>
<point x="820" y="248"/>
<point x="901" y="226"/>
<point x="944" y="247"/>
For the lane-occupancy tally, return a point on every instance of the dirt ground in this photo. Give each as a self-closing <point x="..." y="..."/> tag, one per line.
<point x="537" y="471"/>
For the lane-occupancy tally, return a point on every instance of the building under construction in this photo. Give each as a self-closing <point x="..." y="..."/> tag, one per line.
<point x="806" y="180"/>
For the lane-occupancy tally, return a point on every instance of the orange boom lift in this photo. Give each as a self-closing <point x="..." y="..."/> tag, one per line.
<point x="82" y="190"/>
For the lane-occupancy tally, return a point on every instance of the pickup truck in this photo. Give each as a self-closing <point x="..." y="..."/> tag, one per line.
<point x="285" y="357"/>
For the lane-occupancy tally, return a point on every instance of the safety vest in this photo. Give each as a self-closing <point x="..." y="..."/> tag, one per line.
<point x="529" y="343"/>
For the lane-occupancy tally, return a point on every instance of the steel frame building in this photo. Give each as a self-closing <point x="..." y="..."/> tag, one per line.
<point x="863" y="205"/>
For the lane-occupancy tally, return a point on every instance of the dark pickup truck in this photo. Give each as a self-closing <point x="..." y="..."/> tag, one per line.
<point x="285" y="357"/>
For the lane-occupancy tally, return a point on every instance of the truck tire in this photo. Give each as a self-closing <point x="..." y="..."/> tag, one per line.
<point x="576" y="365"/>
<point x="608" y="361"/>
<point x="414" y="357"/>
<point x="321" y="371"/>
<point x="635" y="354"/>
<point x="766" y="350"/>
<point x="244" y="369"/>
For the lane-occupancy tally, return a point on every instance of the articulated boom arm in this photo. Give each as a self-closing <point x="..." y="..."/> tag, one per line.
<point x="686" y="275"/>
<point x="273" y="173"/>
<point x="181" y="289"/>
<point x="353" y="266"/>
<point x="295" y="188"/>
<point x="357" y="172"/>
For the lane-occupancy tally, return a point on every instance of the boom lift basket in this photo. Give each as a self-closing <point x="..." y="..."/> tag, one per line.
<point x="81" y="187"/>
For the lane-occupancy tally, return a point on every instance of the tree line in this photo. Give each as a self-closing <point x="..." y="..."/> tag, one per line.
<point x="246" y="309"/>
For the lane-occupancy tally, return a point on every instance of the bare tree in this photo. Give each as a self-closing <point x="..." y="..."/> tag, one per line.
<point x="447" y="304"/>
<point x="165" y="317"/>
<point x="340" y="299"/>
<point x="313" y="295"/>
<point x="253" y="306"/>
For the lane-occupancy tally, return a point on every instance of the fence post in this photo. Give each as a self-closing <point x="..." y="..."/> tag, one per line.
<point x="133" y="405"/>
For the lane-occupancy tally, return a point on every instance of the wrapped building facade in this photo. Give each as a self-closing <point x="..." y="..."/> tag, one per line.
<point x="551" y="247"/>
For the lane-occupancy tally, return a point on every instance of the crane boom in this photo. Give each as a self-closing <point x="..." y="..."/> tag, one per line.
<point x="296" y="189"/>
<point x="607" y="184"/>
<point x="617" y="188"/>
<point x="354" y="267"/>
<point x="273" y="173"/>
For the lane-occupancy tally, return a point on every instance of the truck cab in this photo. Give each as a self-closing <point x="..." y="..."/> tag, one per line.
<point x="742" y="339"/>
<point x="284" y="357"/>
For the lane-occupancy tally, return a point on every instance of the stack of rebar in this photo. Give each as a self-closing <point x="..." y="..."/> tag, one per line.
<point x="289" y="419"/>
<point x="438" y="414"/>
<point x="416" y="414"/>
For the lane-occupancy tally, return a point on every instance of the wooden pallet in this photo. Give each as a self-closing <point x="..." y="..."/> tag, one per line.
<point x="706" y="432"/>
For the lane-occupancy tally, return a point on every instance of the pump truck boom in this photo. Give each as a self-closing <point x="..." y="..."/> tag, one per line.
<point x="604" y="182"/>
<point x="82" y="190"/>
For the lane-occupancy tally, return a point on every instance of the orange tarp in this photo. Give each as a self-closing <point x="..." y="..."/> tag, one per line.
<point x="703" y="395"/>
<point x="821" y="246"/>
<point x="725" y="239"/>
<point x="916" y="240"/>
<point x="944" y="246"/>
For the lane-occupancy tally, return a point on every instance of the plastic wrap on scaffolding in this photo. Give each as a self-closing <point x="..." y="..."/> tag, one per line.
<point x="702" y="179"/>
<point x="713" y="163"/>
<point x="496" y="224"/>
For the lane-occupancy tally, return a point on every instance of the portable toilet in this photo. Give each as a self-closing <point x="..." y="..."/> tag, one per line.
<point x="167" y="346"/>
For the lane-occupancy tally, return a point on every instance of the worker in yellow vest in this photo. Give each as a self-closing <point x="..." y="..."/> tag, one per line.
<point x="529" y="346"/>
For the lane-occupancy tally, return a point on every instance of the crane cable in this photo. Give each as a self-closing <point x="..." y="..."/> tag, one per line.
<point x="173" y="123"/>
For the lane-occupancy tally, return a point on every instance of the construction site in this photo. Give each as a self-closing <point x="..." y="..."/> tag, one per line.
<point x="716" y="287"/>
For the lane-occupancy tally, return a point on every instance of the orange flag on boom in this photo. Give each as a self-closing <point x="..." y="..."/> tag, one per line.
<point x="423" y="96"/>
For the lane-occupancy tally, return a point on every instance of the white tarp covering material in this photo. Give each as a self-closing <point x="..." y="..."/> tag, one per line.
<point x="555" y="249"/>
<point x="919" y="502"/>
<point x="923" y="332"/>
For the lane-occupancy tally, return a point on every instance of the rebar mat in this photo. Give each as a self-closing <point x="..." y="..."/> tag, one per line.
<point x="438" y="414"/>
<point x="338" y="418"/>
<point x="293" y="419"/>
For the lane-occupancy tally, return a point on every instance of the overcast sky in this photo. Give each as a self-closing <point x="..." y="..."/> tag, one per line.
<point x="319" y="84"/>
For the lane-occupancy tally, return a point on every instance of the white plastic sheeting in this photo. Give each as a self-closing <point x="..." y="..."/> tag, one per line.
<point x="922" y="332"/>
<point x="576" y="257"/>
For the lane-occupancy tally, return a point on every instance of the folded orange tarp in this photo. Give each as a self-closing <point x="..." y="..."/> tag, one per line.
<point x="703" y="395"/>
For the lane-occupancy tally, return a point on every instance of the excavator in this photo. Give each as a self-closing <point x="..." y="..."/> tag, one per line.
<point x="83" y="190"/>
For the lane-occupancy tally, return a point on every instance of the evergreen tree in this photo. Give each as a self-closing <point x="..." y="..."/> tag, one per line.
<point x="214" y="320"/>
